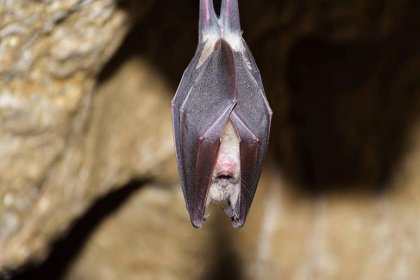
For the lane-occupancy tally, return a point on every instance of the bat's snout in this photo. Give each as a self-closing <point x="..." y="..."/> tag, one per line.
<point x="226" y="167"/>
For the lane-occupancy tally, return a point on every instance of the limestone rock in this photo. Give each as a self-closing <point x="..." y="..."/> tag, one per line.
<point x="150" y="237"/>
<point x="50" y="55"/>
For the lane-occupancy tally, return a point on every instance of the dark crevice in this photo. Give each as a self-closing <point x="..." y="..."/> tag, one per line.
<point x="165" y="37"/>
<point x="350" y="123"/>
<point x="67" y="249"/>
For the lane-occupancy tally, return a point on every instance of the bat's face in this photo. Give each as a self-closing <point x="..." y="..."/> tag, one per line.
<point x="221" y="119"/>
<point x="225" y="182"/>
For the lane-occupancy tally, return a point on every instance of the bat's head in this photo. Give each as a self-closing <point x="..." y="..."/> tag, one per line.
<point x="225" y="185"/>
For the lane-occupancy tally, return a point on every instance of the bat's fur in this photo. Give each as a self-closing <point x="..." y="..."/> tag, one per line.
<point x="235" y="41"/>
<point x="226" y="178"/>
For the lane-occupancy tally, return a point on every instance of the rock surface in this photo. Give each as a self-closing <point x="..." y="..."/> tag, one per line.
<point x="121" y="248"/>
<point x="50" y="55"/>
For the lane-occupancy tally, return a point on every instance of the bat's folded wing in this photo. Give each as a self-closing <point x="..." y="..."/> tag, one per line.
<point x="252" y="119"/>
<point x="201" y="108"/>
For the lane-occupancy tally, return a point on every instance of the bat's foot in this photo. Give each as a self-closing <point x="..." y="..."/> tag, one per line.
<point x="229" y="212"/>
<point x="237" y="223"/>
<point x="233" y="215"/>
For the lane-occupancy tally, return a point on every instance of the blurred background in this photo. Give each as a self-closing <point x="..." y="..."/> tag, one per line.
<point x="88" y="181"/>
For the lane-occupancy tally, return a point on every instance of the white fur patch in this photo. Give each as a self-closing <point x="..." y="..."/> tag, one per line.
<point x="226" y="177"/>
<point x="235" y="41"/>
<point x="210" y="39"/>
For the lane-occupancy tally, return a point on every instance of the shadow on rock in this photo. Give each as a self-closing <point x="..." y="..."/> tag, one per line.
<point x="67" y="249"/>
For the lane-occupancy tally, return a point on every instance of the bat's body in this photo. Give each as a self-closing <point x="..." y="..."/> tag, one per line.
<point x="221" y="118"/>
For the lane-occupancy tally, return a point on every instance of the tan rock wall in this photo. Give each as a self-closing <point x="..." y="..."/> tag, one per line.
<point x="50" y="55"/>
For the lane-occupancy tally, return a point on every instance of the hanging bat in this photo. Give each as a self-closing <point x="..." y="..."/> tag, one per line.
<point x="221" y="119"/>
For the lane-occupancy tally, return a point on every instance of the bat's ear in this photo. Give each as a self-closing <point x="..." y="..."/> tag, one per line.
<point x="208" y="20"/>
<point x="229" y="16"/>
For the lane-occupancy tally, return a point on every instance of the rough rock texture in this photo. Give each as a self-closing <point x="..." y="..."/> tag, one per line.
<point x="341" y="76"/>
<point x="50" y="170"/>
<point x="168" y="249"/>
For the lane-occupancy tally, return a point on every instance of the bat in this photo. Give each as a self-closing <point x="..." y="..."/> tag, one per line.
<point x="221" y="119"/>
